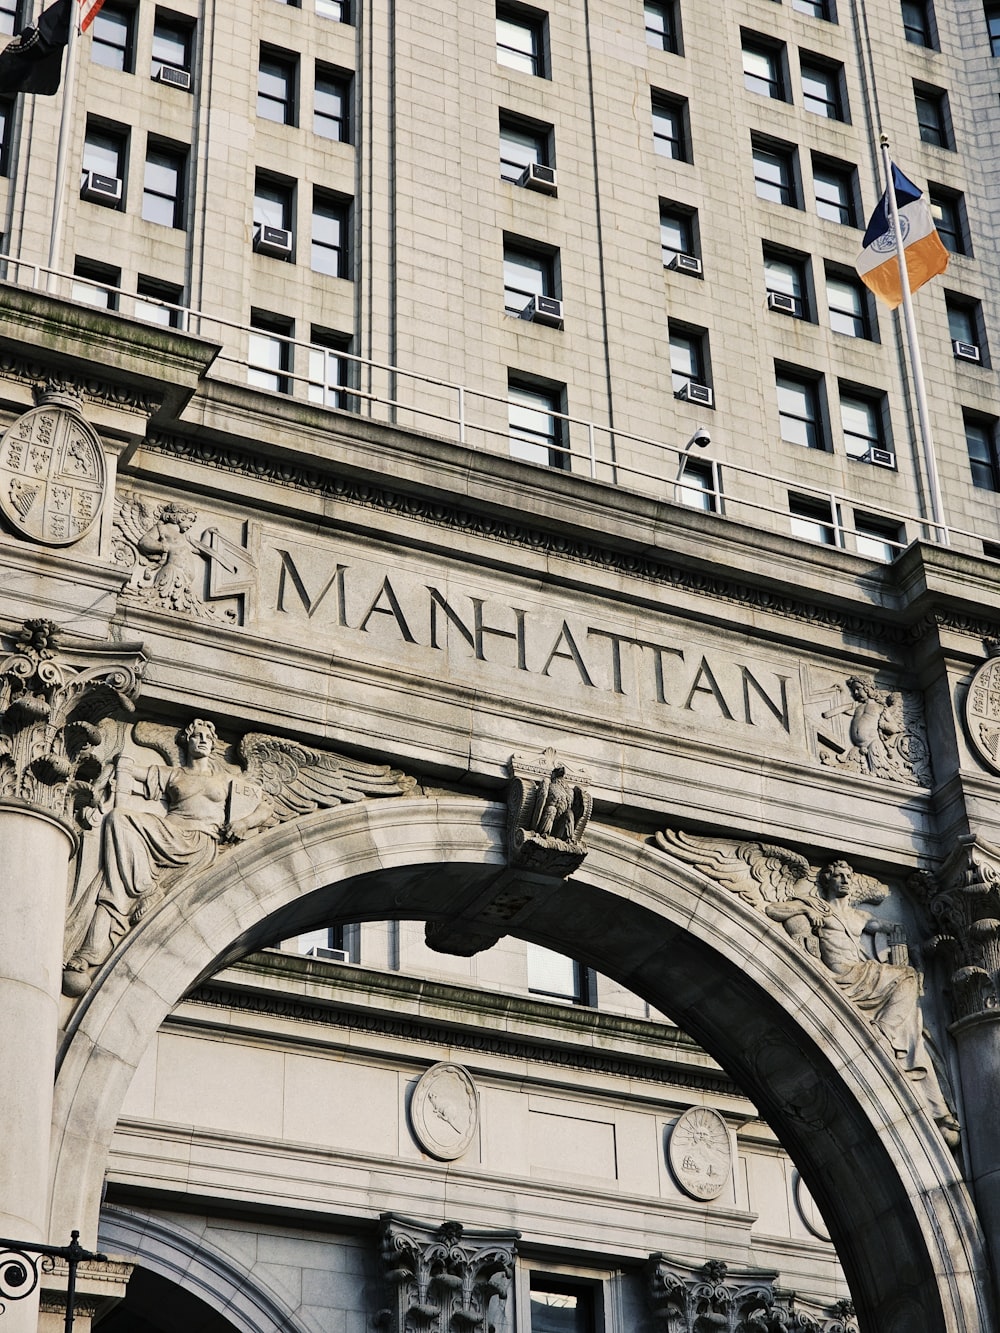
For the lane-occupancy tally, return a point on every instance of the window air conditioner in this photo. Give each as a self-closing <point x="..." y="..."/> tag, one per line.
<point x="966" y="351"/>
<point x="177" y="78"/>
<point x="537" y="176"/>
<point x="882" y="457"/>
<point x="685" y="264"/>
<point x="330" y="955"/>
<point x="784" y="304"/>
<point x="101" y="189"/>
<point x="544" y="310"/>
<point x="274" y="241"/>
<point x="696" y="393"/>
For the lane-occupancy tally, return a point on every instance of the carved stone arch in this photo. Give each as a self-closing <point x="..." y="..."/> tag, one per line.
<point x="184" y="1257"/>
<point x="898" y="1210"/>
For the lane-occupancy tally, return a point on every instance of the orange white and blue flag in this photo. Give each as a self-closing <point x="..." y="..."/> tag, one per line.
<point x="925" y="254"/>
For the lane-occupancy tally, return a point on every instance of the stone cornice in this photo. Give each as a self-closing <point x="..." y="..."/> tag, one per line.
<point x="324" y="482"/>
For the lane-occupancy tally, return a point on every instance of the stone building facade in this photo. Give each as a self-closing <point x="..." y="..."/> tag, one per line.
<point x="471" y="859"/>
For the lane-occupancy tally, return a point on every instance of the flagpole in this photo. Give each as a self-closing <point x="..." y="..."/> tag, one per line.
<point x="62" y="152"/>
<point x="916" y="365"/>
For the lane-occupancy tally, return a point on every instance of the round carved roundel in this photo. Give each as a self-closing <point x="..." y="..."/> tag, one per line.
<point x="699" y="1153"/>
<point x="52" y="475"/>
<point x="982" y="713"/>
<point x="444" y="1111"/>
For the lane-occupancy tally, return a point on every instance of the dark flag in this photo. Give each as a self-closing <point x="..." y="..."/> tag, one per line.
<point x="32" y="62"/>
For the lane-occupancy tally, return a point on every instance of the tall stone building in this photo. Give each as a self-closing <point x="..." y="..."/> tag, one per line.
<point x="499" y="756"/>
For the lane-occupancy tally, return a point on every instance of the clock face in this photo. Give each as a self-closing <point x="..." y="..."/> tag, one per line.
<point x="700" y="1154"/>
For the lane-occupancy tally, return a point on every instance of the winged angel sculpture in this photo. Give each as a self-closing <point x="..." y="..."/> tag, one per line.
<point x="820" y="910"/>
<point x="206" y="798"/>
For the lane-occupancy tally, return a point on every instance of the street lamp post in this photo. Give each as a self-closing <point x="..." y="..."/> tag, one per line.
<point x="22" y="1264"/>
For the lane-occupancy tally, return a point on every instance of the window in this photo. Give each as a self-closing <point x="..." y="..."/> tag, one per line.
<point x="932" y="115"/>
<point x="981" y="442"/>
<point x="335" y="944"/>
<point x="332" y="104"/>
<point x="879" y="538"/>
<point x="965" y="323"/>
<point x="113" y="33"/>
<point x="698" y="485"/>
<point x="270" y="352"/>
<point x="918" y="23"/>
<point x="678" y="231"/>
<point x="96" y="284"/>
<point x="559" y="1306"/>
<point x="521" y="41"/>
<point x="774" y="172"/>
<point x="276" y="86"/>
<point x="154" y="303"/>
<point x="105" y="152"/>
<point x="163" y="185"/>
<point x="786" y="275"/>
<point x="948" y="210"/>
<point x="337" y="10"/>
<point x="670" y="136"/>
<point x="992" y="13"/>
<point x="764" y="67"/>
<point x="823" y="88"/>
<point x="273" y="203"/>
<point x="172" y="43"/>
<point x="330" y="235"/>
<point x="849" y="304"/>
<point x="536" y="431"/>
<point x="814" y="520"/>
<point x="6" y="134"/>
<point x="330" y="372"/>
<point x="526" y="273"/>
<point x="817" y="9"/>
<point x="663" y="26"/>
<point x="862" y="418"/>
<point x="836" y="188"/>
<point x="688" y="357"/>
<point x="522" y="143"/>
<point x="800" y="412"/>
<point x="10" y="15"/>
<point x="551" y="973"/>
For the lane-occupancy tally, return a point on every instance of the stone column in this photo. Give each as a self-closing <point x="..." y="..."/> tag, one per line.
<point x="966" y="912"/>
<point x="62" y="703"/>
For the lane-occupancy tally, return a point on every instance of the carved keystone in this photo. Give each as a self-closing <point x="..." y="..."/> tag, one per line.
<point x="548" y="809"/>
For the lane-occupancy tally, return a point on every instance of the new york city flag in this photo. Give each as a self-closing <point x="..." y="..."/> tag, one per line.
<point x="925" y="254"/>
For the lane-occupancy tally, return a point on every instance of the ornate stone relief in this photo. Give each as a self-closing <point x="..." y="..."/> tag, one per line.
<point x="964" y="905"/>
<point x="548" y="809"/>
<point x="52" y="473"/>
<point x="982" y="708"/>
<point x="711" y="1300"/>
<point x="700" y="1153"/>
<point x="167" y="565"/>
<point x="820" y="910"/>
<point x="444" y="1278"/>
<point x="444" y="1111"/>
<point x="879" y="733"/>
<point x="63" y="701"/>
<point x="209" y="796"/>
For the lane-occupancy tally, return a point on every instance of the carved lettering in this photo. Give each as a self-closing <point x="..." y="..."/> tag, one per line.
<point x="517" y="634"/>
<point x="393" y="609"/>
<point x="289" y="573"/>
<point x="440" y="603"/>
<point x="780" y="712"/>
<point x="571" y="653"/>
<point x="712" y="688"/>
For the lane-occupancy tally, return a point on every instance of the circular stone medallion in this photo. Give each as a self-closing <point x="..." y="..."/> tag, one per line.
<point x="444" y="1111"/>
<point x="699" y="1153"/>
<point x="982" y="713"/>
<point x="52" y="475"/>
<point x="810" y="1214"/>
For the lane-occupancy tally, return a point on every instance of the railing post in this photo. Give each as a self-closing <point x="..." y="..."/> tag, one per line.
<point x="461" y="413"/>
<point x="593" y="451"/>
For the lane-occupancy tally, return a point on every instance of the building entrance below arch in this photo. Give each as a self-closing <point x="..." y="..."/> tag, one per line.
<point x="887" y="1185"/>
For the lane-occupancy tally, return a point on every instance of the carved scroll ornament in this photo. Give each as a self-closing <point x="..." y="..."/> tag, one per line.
<point x="63" y="701"/>
<point x="712" y="1299"/>
<point x="207" y="798"/>
<point x="548" y="809"/>
<point x="820" y="910"/>
<point x="444" y="1278"/>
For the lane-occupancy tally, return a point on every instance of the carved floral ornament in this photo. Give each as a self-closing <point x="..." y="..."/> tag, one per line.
<point x="714" y="1300"/>
<point x="821" y="911"/>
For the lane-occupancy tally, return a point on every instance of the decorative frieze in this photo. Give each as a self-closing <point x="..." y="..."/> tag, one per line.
<point x="63" y="701"/>
<point x="444" y="1278"/>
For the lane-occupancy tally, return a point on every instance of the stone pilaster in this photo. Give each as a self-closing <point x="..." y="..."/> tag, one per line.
<point x="61" y="699"/>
